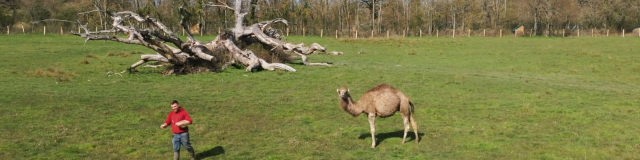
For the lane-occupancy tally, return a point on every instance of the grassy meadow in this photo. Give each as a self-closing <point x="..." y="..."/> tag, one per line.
<point x="476" y="98"/>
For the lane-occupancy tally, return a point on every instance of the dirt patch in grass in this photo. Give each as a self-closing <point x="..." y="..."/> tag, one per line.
<point x="123" y="54"/>
<point x="60" y="75"/>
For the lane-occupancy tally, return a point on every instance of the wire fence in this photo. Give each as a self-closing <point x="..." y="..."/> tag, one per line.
<point x="61" y="30"/>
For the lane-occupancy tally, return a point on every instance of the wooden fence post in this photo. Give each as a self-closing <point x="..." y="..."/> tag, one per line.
<point x="484" y="32"/>
<point x="356" y="34"/>
<point x="287" y="31"/>
<point x="387" y="33"/>
<point x="303" y="32"/>
<point x="371" y="33"/>
<point x="500" y="32"/>
<point x="468" y="32"/>
<point x="622" y="32"/>
<point x="607" y="32"/>
<point x="7" y="29"/>
<point x="437" y="32"/>
<point x="404" y="33"/>
<point x="578" y="32"/>
<point x="22" y="26"/>
<point x="45" y="30"/>
<point x="321" y="32"/>
<point x="421" y="33"/>
<point x="563" y="33"/>
<point x="591" y="32"/>
<point x="336" y="33"/>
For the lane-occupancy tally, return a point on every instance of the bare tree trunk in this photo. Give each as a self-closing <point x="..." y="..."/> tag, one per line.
<point x="430" y="10"/>
<point x="549" y="16"/>
<point x="340" y="14"/>
<point x="373" y="15"/>
<point x="405" y="5"/>
<point x="380" y="17"/>
<point x="357" y="23"/>
<point x="535" y="25"/>
<point x="535" y="10"/>
<point x="347" y="9"/>
<point x="453" y="15"/>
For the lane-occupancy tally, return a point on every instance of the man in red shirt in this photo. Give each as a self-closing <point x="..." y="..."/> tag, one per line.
<point x="179" y="119"/>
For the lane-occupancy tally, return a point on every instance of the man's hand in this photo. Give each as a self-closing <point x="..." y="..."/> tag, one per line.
<point x="163" y="125"/>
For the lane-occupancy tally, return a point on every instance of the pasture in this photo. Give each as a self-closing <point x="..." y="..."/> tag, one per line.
<point x="476" y="98"/>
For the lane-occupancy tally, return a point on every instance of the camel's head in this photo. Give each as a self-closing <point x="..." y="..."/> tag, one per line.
<point x="343" y="92"/>
<point x="346" y="102"/>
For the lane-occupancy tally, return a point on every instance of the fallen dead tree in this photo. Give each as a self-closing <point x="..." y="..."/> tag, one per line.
<point x="193" y="56"/>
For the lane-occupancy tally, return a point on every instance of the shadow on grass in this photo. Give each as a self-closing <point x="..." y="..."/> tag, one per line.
<point x="382" y="136"/>
<point x="211" y="152"/>
<point x="302" y="63"/>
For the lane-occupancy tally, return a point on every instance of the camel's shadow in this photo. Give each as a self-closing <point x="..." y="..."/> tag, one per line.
<point x="211" y="152"/>
<point x="397" y="134"/>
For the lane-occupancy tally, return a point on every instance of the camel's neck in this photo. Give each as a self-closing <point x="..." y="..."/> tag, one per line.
<point x="350" y="106"/>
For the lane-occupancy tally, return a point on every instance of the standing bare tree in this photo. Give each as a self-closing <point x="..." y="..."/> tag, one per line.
<point x="535" y="11"/>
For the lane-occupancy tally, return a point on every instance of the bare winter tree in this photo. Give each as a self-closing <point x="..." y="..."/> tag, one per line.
<point x="535" y="11"/>
<point x="194" y="56"/>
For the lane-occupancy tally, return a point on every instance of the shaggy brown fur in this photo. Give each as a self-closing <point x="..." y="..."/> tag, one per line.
<point x="380" y="101"/>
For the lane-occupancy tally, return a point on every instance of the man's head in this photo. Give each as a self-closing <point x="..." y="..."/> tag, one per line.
<point x="175" y="105"/>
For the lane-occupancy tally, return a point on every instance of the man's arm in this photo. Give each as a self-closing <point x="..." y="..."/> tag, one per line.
<point x="167" y="122"/>
<point x="164" y="125"/>
<point x="183" y="123"/>
<point x="186" y="121"/>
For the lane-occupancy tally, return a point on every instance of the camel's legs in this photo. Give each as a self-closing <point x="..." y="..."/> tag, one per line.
<point x="372" y="124"/>
<point x="406" y="127"/>
<point x="415" y="127"/>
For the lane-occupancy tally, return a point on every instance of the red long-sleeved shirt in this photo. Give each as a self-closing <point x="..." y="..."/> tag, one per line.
<point x="175" y="117"/>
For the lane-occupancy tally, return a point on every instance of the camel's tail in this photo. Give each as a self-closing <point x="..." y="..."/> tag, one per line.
<point x="411" y="109"/>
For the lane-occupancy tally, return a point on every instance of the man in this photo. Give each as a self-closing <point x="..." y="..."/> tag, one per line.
<point x="179" y="119"/>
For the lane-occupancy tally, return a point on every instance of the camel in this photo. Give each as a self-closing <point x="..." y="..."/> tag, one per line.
<point x="381" y="101"/>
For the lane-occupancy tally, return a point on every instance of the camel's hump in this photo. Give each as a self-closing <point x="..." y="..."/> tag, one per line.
<point x="382" y="87"/>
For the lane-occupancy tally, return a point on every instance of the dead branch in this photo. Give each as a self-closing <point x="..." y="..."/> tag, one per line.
<point x="169" y="48"/>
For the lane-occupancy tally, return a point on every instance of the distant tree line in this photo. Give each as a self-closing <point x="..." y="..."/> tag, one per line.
<point x="379" y="17"/>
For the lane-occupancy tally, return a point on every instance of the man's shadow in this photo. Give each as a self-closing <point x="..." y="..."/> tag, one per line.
<point x="382" y="136"/>
<point x="211" y="152"/>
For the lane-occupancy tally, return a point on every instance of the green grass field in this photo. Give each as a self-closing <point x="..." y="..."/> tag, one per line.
<point x="476" y="98"/>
